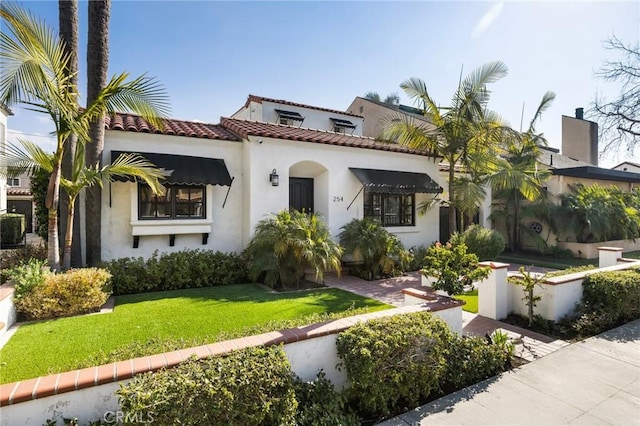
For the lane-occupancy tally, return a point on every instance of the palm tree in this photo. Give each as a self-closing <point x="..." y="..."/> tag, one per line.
<point x="32" y="159"/>
<point x="392" y="99"/>
<point x="97" y="66"/>
<point x="515" y="175"/>
<point x="68" y="28"/>
<point x="33" y="73"/>
<point x="465" y="134"/>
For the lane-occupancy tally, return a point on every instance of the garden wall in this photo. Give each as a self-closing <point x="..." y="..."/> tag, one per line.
<point x="590" y="250"/>
<point x="7" y="309"/>
<point x="559" y="295"/>
<point x="88" y="394"/>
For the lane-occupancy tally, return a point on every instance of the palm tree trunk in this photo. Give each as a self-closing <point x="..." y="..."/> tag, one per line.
<point x="97" y="66"/>
<point x="452" y="210"/>
<point x="68" y="238"/>
<point x="68" y="23"/>
<point x="51" y="203"/>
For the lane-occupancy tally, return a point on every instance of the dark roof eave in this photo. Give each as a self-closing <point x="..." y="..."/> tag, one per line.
<point x="598" y="173"/>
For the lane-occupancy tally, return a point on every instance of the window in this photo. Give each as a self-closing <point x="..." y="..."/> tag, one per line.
<point x="13" y="182"/>
<point x="287" y="121"/>
<point x="390" y="209"/>
<point x="178" y="202"/>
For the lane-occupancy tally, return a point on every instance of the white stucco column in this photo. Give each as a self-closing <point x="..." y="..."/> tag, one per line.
<point x="608" y="256"/>
<point x="493" y="292"/>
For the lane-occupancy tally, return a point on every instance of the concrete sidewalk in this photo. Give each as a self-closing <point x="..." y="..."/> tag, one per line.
<point x="593" y="382"/>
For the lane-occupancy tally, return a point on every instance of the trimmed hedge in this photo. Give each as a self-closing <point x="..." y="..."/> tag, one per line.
<point x="253" y="386"/>
<point x="400" y="361"/>
<point x="485" y="243"/>
<point x="174" y="271"/>
<point x="76" y="292"/>
<point x="12" y="229"/>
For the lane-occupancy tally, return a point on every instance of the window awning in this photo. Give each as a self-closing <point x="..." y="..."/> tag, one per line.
<point x="185" y="170"/>
<point x="343" y="123"/>
<point x="291" y="115"/>
<point x="396" y="182"/>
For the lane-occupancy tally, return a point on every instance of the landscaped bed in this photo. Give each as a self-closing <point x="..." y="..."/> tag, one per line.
<point x="184" y="317"/>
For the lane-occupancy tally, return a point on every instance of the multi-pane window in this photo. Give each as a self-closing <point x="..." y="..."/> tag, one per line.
<point x="13" y="182"/>
<point x="177" y="202"/>
<point x="390" y="209"/>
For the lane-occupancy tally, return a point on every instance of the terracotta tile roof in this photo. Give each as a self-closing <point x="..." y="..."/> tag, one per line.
<point x="278" y="131"/>
<point x="17" y="191"/>
<point x="134" y="123"/>
<point x="259" y="99"/>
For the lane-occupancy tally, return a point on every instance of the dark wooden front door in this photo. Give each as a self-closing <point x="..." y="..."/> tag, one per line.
<point x="24" y="207"/>
<point x="301" y="194"/>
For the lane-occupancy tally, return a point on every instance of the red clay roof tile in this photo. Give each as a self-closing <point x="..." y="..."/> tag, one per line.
<point x="255" y="128"/>
<point x="135" y="123"/>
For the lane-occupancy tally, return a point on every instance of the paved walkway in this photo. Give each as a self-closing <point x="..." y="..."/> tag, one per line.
<point x="528" y="344"/>
<point x="593" y="382"/>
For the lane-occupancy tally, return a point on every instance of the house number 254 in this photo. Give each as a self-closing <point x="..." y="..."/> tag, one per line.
<point x="337" y="199"/>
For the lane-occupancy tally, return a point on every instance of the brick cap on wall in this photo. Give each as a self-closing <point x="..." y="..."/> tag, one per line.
<point x="55" y="384"/>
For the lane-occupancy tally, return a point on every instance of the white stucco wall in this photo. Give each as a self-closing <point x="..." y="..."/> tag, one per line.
<point x="335" y="186"/>
<point x="120" y="208"/>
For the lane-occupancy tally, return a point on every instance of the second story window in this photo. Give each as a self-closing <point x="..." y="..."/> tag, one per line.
<point x="343" y="126"/>
<point x="14" y="182"/>
<point x="289" y="118"/>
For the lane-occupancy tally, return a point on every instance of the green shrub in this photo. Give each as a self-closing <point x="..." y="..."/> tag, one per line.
<point x="558" y="252"/>
<point x="473" y="359"/>
<point x="613" y="296"/>
<point x="374" y="251"/>
<point x="288" y="243"/>
<point x="253" y="386"/>
<point x="454" y="269"/>
<point x="319" y="404"/>
<point x="28" y="276"/>
<point x="418" y="253"/>
<point x="12" y="258"/>
<point x="485" y="243"/>
<point x="12" y="229"/>
<point x="78" y="291"/>
<point x="394" y="362"/>
<point x="174" y="271"/>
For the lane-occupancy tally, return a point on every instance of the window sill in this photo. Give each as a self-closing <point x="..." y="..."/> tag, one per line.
<point x="170" y="227"/>
<point x="402" y="229"/>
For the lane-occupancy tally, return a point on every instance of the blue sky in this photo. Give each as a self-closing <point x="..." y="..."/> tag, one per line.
<point x="210" y="55"/>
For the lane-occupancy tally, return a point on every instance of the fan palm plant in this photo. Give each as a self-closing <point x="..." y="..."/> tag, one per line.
<point x="34" y="73"/>
<point x="465" y="134"/>
<point x="30" y="158"/>
<point x="515" y="176"/>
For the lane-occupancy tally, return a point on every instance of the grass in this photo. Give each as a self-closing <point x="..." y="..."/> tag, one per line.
<point x="529" y="259"/>
<point x="471" y="297"/>
<point x="189" y="315"/>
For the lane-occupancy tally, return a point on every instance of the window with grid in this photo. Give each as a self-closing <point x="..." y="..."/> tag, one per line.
<point x="390" y="209"/>
<point x="178" y="202"/>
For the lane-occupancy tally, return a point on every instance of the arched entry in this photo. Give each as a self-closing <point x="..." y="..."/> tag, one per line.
<point x="308" y="187"/>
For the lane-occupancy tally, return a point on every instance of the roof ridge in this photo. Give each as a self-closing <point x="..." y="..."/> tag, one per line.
<point x="259" y="99"/>
<point x="163" y="118"/>
<point x="297" y="127"/>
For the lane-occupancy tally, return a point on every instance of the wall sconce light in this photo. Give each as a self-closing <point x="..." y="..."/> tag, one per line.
<point x="274" y="178"/>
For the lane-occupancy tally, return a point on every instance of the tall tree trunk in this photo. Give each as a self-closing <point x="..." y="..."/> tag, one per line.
<point x="68" y="22"/>
<point x="68" y="238"/>
<point x="452" y="210"/>
<point x="51" y="203"/>
<point x="97" y="67"/>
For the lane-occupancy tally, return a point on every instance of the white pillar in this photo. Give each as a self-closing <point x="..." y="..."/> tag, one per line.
<point x="608" y="256"/>
<point x="493" y="292"/>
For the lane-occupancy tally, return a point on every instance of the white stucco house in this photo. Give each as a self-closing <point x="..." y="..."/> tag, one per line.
<point x="268" y="156"/>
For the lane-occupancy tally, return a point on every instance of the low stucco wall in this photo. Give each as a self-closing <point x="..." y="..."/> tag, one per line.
<point x="590" y="250"/>
<point x="88" y="394"/>
<point x="7" y="309"/>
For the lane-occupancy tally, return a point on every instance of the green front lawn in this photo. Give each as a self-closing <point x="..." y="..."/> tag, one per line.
<point x="197" y="315"/>
<point x="471" y="297"/>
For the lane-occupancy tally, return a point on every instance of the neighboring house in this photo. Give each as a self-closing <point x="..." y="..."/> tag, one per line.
<point x="628" y="166"/>
<point x="377" y="114"/>
<point x="20" y="199"/>
<point x="4" y="113"/>
<point x="269" y="156"/>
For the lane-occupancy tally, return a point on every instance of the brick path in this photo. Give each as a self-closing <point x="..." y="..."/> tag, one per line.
<point x="529" y="345"/>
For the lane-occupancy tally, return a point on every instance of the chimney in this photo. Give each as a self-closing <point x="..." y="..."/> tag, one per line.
<point x="580" y="113"/>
